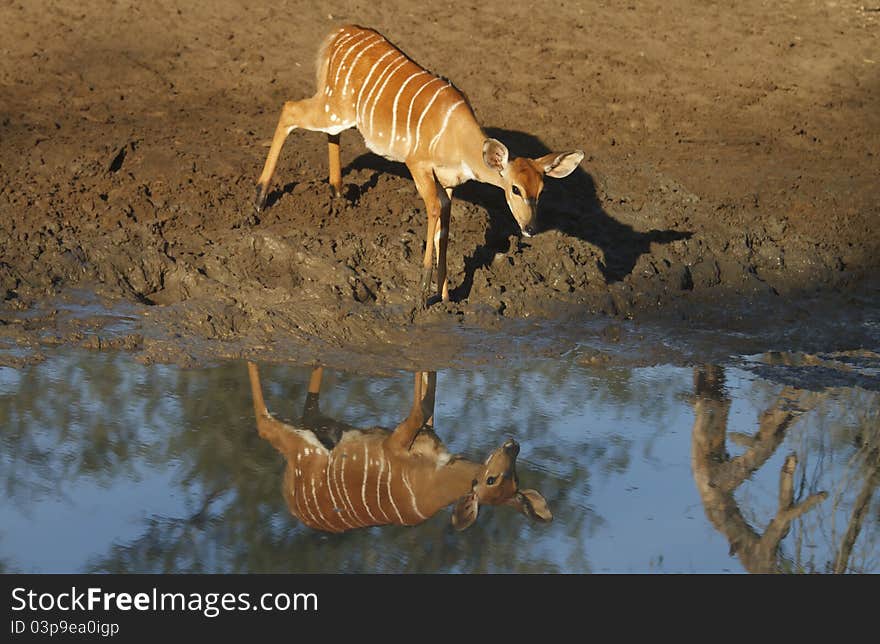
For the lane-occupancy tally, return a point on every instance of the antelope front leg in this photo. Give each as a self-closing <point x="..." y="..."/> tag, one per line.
<point x="441" y="240"/>
<point x="428" y="260"/>
<point x="429" y="391"/>
<point x="421" y="413"/>
<point x="425" y="184"/>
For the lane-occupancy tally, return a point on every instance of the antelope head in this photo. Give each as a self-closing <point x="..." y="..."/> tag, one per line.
<point x="522" y="179"/>
<point x="496" y="483"/>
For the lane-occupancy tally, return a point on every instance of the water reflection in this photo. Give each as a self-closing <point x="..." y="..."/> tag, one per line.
<point x="399" y="477"/>
<point x="718" y="476"/>
<point x="112" y="466"/>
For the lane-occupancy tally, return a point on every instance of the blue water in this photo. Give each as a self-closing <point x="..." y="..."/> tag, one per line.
<point x="110" y="465"/>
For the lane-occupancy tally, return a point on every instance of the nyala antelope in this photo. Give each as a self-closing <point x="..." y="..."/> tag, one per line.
<point x="406" y="113"/>
<point x="339" y="477"/>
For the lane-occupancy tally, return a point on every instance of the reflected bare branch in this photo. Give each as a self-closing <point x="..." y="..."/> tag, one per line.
<point x="718" y="476"/>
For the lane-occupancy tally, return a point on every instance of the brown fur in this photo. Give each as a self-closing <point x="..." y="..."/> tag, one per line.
<point x="343" y="488"/>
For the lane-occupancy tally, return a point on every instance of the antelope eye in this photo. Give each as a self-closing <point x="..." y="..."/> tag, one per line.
<point x="491" y="480"/>
<point x="516" y="191"/>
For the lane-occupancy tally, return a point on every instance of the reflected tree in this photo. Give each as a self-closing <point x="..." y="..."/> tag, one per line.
<point x="868" y="465"/>
<point x="841" y="436"/>
<point x="718" y="476"/>
<point x="74" y="417"/>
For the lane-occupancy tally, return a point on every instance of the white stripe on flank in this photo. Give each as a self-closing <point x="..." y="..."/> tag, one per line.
<point x="412" y="102"/>
<point x="382" y="89"/>
<point x="354" y="46"/>
<point x="391" y="497"/>
<point x="305" y="499"/>
<point x="425" y="112"/>
<point x="336" y="509"/>
<point x="335" y="53"/>
<point x="297" y="501"/>
<point x="357" y="110"/>
<point x="355" y="510"/>
<point x="376" y="84"/>
<point x="442" y="127"/>
<point x="318" y="505"/>
<point x="412" y="496"/>
<point x="346" y="501"/>
<point x="364" y="484"/>
<point x="339" y="507"/>
<point x="346" y="39"/>
<point x="338" y="43"/>
<point x="394" y="105"/>
<point x="296" y="504"/>
<point x="378" y="484"/>
<point x="355" y="62"/>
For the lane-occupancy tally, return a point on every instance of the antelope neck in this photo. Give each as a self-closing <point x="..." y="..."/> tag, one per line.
<point x="449" y="483"/>
<point x="472" y="154"/>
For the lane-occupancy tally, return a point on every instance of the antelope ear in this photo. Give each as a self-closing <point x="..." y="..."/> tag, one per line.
<point x="495" y="154"/>
<point x="465" y="512"/>
<point x="531" y="504"/>
<point x="560" y="164"/>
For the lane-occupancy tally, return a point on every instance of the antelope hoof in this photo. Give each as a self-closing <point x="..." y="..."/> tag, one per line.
<point x="425" y="291"/>
<point x="260" y="197"/>
<point x="422" y="302"/>
<point x="420" y="306"/>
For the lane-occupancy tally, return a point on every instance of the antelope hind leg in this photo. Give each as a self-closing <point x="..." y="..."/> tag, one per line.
<point x="303" y="114"/>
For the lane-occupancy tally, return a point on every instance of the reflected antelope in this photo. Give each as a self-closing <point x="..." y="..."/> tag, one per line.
<point x="339" y="477"/>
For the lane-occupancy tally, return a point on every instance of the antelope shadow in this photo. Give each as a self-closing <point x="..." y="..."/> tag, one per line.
<point x="569" y="205"/>
<point x="340" y="477"/>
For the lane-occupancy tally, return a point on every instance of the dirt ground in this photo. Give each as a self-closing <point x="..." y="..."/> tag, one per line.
<point x="732" y="162"/>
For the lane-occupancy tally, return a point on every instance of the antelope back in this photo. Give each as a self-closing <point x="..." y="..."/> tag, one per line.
<point x="401" y="109"/>
<point x="357" y="484"/>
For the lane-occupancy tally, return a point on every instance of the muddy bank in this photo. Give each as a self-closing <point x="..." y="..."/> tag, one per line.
<point x="818" y="328"/>
<point x="731" y="173"/>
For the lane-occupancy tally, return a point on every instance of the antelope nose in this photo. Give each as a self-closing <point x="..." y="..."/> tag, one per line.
<point x="530" y="230"/>
<point x="511" y="447"/>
